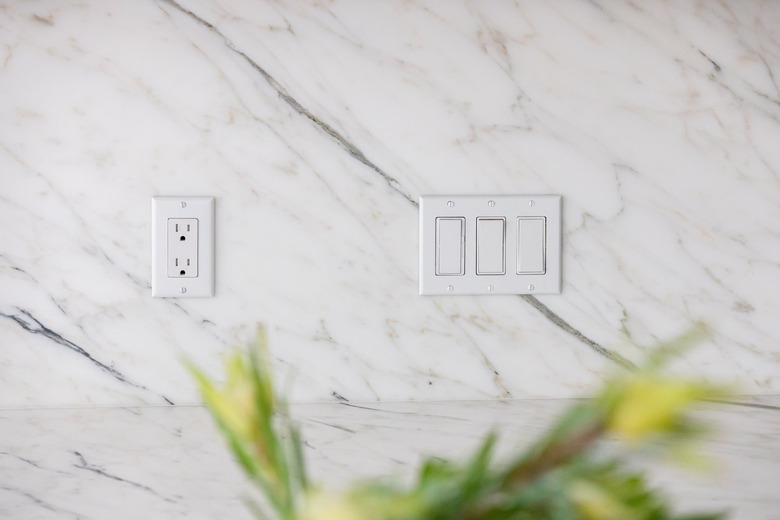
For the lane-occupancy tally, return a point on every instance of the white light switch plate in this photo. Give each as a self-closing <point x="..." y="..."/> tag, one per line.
<point x="182" y="247"/>
<point x="538" y="214"/>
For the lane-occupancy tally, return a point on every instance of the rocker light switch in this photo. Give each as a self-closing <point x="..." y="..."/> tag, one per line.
<point x="490" y="244"/>
<point x="449" y="246"/>
<point x="530" y="245"/>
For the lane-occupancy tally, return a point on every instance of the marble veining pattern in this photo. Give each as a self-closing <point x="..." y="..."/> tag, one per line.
<point x="169" y="462"/>
<point x="317" y="125"/>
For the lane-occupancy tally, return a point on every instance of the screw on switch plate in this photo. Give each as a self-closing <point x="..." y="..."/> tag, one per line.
<point x="182" y="246"/>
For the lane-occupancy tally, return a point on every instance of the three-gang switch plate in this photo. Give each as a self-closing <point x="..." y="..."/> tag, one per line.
<point x="182" y="246"/>
<point x="502" y="244"/>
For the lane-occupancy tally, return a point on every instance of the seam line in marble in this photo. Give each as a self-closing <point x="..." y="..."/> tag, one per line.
<point x="564" y="326"/>
<point x="33" y="326"/>
<point x="293" y="103"/>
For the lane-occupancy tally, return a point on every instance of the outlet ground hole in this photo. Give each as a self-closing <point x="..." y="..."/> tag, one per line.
<point x="182" y="273"/>
<point x="182" y="239"/>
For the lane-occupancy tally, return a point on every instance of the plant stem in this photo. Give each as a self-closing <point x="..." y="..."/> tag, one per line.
<point x="553" y="455"/>
<point x="526" y="471"/>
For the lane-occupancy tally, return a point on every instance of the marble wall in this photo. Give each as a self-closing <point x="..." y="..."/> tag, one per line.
<point x="318" y="124"/>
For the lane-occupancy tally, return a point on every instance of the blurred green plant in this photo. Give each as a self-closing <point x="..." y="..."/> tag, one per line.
<point x="560" y="477"/>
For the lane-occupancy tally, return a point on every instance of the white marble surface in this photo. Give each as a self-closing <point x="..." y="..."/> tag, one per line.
<point x="317" y="125"/>
<point x="169" y="462"/>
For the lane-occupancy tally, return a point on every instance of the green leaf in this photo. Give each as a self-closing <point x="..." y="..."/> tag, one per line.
<point x="558" y="478"/>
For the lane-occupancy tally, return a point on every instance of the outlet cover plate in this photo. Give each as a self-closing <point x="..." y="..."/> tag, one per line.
<point x="513" y="209"/>
<point x="202" y="209"/>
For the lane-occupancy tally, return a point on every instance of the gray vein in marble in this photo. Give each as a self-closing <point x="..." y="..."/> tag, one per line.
<point x="449" y="417"/>
<point x="564" y="326"/>
<point x="83" y="464"/>
<point x="28" y="461"/>
<point x="165" y="447"/>
<point x="744" y="404"/>
<point x="32" y="462"/>
<point x="393" y="183"/>
<point x="342" y="141"/>
<point x="339" y="397"/>
<point x="32" y="279"/>
<point x="37" y="501"/>
<point x="30" y="324"/>
<point x="714" y="63"/>
<point x="718" y="80"/>
<point x="332" y="425"/>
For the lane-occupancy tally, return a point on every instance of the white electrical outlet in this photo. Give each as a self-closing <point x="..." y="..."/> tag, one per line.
<point x="182" y="246"/>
